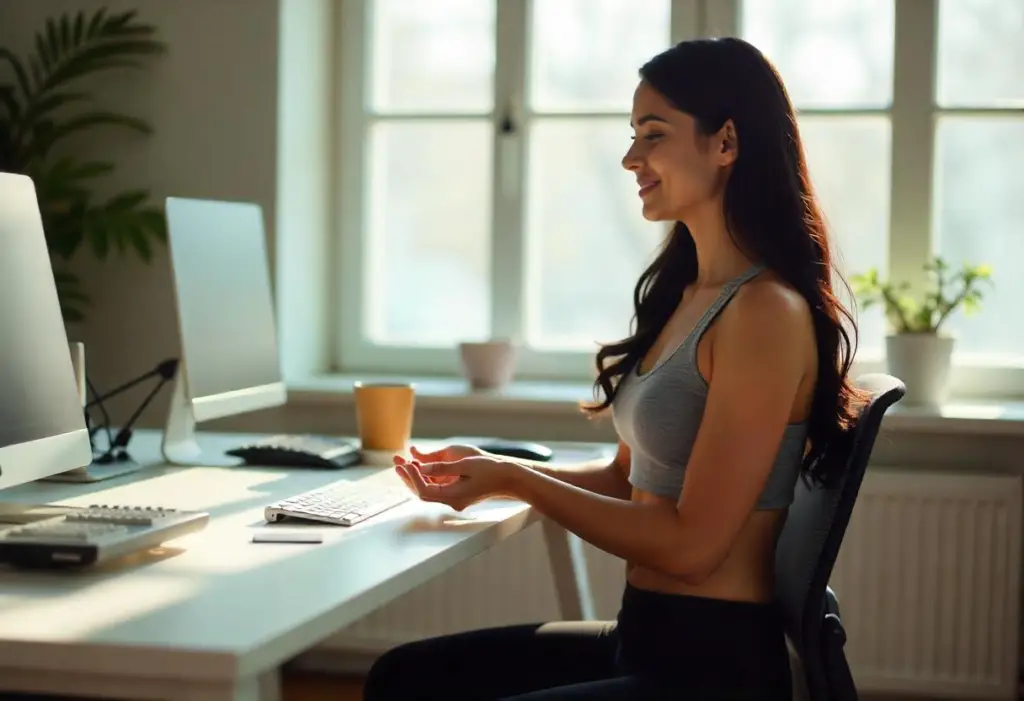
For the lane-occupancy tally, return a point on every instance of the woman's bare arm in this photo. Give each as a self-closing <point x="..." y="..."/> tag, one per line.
<point x="610" y="479"/>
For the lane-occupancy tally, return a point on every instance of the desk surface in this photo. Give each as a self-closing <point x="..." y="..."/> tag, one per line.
<point x="216" y="604"/>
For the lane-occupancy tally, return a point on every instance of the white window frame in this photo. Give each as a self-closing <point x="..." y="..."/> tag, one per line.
<point x="913" y="117"/>
<point x="353" y="351"/>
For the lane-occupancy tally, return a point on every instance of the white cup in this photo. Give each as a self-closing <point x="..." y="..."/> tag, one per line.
<point x="488" y="365"/>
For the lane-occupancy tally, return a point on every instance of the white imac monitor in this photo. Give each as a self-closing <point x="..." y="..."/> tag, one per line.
<point x="229" y="359"/>
<point x="42" y="423"/>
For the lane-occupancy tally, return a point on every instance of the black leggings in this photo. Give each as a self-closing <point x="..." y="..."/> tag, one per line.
<point x="661" y="647"/>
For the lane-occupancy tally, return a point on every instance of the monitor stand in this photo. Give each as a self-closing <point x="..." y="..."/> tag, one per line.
<point x="96" y="472"/>
<point x="180" y="445"/>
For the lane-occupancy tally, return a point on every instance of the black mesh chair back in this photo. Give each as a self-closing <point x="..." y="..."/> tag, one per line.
<point x="809" y="545"/>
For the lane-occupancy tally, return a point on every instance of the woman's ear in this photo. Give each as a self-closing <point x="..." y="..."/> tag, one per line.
<point x="728" y="144"/>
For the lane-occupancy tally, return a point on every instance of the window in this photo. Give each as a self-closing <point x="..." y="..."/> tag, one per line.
<point x="836" y="59"/>
<point x="978" y="190"/>
<point x="485" y="154"/>
<point x="481" y="191"/>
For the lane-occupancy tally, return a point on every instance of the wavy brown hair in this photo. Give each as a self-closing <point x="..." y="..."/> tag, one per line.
<point x="772" y="215"/>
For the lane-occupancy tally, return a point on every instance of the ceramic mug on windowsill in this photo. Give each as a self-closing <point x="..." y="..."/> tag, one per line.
<point x="488" y="365"/>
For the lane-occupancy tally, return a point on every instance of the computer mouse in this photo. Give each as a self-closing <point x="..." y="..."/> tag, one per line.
<point x="524" y="450"/>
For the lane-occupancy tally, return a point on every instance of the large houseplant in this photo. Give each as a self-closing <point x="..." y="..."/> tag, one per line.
<point x="918" y="350"/>
<point x="44" y="103"/>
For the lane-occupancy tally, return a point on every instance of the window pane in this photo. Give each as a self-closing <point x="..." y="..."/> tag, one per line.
<point x="429" y="232"/>
<point x="981" y="53"/>
<point x="848" y="159"/>
<point x="979" y="211"/>
<point x="587" y="239"/>
<point x="586" y="54"/>
<point x="830" y="54"/>
<point x="435" y="56"/>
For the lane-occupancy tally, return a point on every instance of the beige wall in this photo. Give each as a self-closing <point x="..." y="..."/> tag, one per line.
<point x="212" y="101"/>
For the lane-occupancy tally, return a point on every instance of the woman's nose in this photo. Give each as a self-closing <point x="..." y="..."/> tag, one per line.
<point x="631" y="161"/>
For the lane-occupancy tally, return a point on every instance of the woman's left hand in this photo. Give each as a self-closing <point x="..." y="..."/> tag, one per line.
<point x="460" y="483"/>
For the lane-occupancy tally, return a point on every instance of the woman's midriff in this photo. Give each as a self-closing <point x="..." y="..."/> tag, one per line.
<point x="747" y="574"/>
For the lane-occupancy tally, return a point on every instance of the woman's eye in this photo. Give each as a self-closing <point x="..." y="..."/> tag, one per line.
<point x="653" y="137"/>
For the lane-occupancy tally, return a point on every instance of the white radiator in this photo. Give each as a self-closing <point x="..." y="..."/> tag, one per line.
<point x="928" y="582"/>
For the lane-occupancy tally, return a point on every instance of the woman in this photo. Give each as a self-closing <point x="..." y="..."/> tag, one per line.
<point x="733" y="383"/>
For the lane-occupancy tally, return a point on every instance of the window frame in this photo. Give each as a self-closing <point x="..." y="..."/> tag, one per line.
<point x="913" y="116"/>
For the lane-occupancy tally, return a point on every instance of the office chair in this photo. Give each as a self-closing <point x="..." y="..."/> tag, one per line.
<point x="809" y="545"/>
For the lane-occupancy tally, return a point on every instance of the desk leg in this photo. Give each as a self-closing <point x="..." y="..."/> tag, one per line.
<point x="569" y="571"/>
<point x="263" y="687"/>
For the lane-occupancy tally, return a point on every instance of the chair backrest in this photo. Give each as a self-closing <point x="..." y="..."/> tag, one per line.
<point x="816" y="524"/>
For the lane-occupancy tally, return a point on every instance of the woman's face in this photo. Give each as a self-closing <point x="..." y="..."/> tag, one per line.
<point x="676" y="167"/>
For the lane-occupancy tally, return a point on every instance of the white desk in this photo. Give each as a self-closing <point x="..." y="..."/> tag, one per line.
<point x="211" y="618"/>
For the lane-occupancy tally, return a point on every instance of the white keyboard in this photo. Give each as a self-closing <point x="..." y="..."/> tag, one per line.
<point x="91" y="535"/>
<point x="344" y="503"/>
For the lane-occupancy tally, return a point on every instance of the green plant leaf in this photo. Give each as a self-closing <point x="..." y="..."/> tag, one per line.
<point x="37" y="115"/>
<point x="50" y="103"/>
<point x="96" y="230"/>
<point x="96" y="23"/>
<point x="140" y="242"/>
<point x="98" y="57"/>
<point x="73" y="300"/>
<point x="79" y="30"/>
<point x="126" y="201"/>
<point x="52" y="38"/>
<point x="9" y="101"/>
<point x="154" y="222"/>
<point x="20" y="74"/>
<point x="43" y="52"/>
<point x="926" y="312"/>
<point x="66" y="179"/>
<point x="86" y="121"/>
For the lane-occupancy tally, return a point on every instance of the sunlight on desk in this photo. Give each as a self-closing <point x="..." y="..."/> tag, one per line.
<point x="43" y="607"/>
<point x="207" y="489"/>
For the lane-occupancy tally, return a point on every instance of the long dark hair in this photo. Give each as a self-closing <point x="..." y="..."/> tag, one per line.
<point x="772" y="216"/>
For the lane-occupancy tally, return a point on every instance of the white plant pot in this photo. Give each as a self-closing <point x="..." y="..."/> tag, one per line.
<point x="922" y="361"/>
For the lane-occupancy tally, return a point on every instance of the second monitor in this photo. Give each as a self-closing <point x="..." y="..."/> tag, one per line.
<point x="229" y="362"/>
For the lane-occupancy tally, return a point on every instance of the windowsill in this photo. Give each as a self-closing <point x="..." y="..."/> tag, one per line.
<point x="450" y="392"/>
<point x="963" y="417"/>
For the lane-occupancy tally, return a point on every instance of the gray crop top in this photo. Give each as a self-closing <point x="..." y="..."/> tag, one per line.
<point x="657" y="415"/>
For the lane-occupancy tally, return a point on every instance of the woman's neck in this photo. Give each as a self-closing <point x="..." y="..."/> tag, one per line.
<point x="719" y="259"/>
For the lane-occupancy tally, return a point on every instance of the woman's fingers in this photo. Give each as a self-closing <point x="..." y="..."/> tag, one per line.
<point x="425" y="457"/>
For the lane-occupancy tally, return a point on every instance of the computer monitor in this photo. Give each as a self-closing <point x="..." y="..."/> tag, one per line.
<point x="229" y="358"/>
<point x="42" y="424"/>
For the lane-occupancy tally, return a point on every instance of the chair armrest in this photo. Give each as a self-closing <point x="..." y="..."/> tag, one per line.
<point x="831" y="602"/>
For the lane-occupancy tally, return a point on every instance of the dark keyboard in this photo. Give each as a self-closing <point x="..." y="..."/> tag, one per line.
<point x="88" y="536"/>
<point x="298" y="451"/>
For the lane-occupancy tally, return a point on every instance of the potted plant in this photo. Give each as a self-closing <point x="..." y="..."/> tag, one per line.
<point x="917" y="350"/>
<point x="44" y="102"/>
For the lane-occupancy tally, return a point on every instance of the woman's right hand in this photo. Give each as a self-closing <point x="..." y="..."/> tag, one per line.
<point x="449" y="453"/>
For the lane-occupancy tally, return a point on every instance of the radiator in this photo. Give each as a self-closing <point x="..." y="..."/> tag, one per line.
<point x="928" y="582"/>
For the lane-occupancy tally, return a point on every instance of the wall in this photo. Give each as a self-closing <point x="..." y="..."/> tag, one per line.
<point x="212" y="101"/>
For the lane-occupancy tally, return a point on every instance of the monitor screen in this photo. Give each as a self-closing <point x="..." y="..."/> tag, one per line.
<point x="38" y="394"/>
<point x="225" y="305"/>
